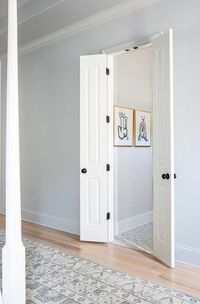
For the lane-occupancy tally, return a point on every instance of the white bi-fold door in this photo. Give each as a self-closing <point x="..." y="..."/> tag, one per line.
<point x="96" y="144"/>
<point x="93" y="148"/>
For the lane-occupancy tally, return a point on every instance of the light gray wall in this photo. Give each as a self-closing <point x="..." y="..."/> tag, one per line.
<point x="133" y="165"/>
<point x="49" y="114"/>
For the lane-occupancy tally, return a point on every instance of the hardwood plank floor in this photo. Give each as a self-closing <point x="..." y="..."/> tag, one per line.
<point x="183" y="278"/>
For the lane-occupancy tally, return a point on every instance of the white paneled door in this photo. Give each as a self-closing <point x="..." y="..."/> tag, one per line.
<point x="163" y="148"/>
<point x="93" y="148"/>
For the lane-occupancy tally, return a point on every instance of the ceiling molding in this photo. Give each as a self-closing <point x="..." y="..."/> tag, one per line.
<point x="19" y="4"/>
<point x="83" y="25"/>
<point x="22" y="18"/>
<point x="4" y="17"/>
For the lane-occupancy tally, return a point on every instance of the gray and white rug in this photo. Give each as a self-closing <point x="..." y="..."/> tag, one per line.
<point x="138" y="238"/>
<point x="54" y="276"/>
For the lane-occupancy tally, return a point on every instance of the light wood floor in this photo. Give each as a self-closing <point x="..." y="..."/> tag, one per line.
<point x="183" y="278"/>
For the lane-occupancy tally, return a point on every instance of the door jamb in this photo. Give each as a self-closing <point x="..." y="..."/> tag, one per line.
<point x="110" y="103"/>
<point x="111" y="52"/>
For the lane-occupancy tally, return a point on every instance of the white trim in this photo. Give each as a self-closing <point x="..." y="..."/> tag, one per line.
<point x="129" y="45"/>
<point x="41" y="11"/>
<point x="19" y="4"/>
<point x="188" y="255"/>
<point x="133" y="222"/>
<point x="51" y="221"/>
<point x="108" y="15"/>
<point x="111" y="206"/>
<point x="25" y="19"/>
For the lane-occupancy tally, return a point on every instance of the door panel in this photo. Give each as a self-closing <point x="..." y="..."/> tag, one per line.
<point x="93" y="147"/>
<point x="163" y="148"/>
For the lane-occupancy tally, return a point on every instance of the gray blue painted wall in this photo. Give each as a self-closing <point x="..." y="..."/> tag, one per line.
<point x="49" y="118"/>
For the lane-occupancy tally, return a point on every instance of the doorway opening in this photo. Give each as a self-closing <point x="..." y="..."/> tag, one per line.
<point x="99" y="219"/>
<point x="132" y="154"/>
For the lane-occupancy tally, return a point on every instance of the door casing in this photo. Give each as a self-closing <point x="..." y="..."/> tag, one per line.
<point x="111" y="52"/>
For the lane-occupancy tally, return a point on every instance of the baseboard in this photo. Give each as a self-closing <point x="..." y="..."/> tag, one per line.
<point x="133" y="222"/>
<point x="188" y="255"/>
<point x="49" y="221"/>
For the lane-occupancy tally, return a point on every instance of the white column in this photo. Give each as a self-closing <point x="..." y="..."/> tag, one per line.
<point x="13" y="284"/>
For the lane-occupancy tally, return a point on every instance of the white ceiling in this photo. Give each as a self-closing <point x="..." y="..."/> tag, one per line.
<point x="38" y="18"/>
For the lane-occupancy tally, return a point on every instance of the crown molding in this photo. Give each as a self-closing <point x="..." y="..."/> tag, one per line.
<point x="105" y="16"/>
<point x="19" y="4"/>
<point x="22" y="18"/>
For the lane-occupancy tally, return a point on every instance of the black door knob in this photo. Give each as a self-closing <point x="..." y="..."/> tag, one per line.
<point x="84" y="170"/>
<point x="165" y="176"/>
<point x="175" y="176"/>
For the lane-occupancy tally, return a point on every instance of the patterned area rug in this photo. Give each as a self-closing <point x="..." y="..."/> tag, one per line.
<point x="139" y="238"/>
<point x="54" y="276"/>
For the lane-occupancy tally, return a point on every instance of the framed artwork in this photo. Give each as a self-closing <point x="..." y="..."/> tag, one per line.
<point x="142" y="128"/>
<point x="123" y="127"/>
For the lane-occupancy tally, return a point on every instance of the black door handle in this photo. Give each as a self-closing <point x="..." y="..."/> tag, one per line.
<point x="165" y="176"/>
<point x="175" y="176"/>
<point x="84" y="171"/>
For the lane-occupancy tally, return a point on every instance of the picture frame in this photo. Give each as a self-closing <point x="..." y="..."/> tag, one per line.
<point x="142" y="128"/>
<point x="123" y="126"/>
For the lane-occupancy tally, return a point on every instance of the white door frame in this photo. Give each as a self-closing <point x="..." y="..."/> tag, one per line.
<point x="111" y="52"/>
<point x="163" y="68"/>
<point x="111" y="202"/>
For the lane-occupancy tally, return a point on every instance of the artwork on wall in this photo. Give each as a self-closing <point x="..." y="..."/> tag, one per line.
<point x="123" y="126"/>
<point x="142" y="128"/>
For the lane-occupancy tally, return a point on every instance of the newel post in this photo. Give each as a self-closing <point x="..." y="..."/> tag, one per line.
<point x="13" y="259"/>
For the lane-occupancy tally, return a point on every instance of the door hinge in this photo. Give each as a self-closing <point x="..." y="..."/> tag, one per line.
<point x="107" y="71"/>
<point x="108" y="167"/>
<point x="108" y="119"/>
<point x="108" y="216"/>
